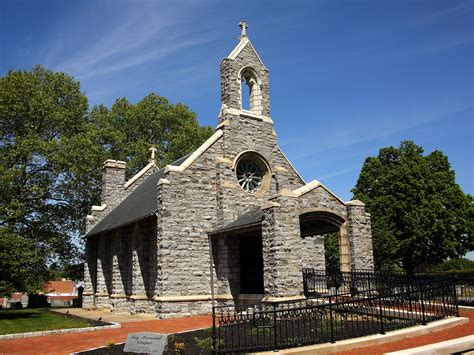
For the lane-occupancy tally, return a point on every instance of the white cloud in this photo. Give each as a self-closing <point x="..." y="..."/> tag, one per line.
<point x="136" y="35"/>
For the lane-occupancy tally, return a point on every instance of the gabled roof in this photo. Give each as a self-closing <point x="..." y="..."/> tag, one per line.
<point x="139" y="204"/>
<point x="240" y="47"/>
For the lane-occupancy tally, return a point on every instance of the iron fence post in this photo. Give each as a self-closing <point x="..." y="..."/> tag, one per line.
<point x="214" y="333"/>
<point x="368" y="283"/>
<point x="455" y="299"/>
<point x="331" y="323"/>
<point x="409" y="297"/>
<point x="423" y="316"/>
<point x="275" y="339"/>
<point x="382" y="329"/>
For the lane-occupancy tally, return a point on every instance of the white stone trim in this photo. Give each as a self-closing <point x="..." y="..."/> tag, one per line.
<point x="444" y="347"/>
<point x="191" y="298"/>
<point x="280" y="169"/>
<point x="355" y="203"/>
<point x="224" y="160"/>
<point x="249" y="151"/>
<point x="247" y="113"/>
<point x="140" y="297"/>
<point x="112" y="325"/>
<point x="229" y="185"/>
<point x="223" y="123"/>
<point x="269" y="204"/>
<point x="140" y="174"/>
<point x="287" y="193"/>
<point x="283" y="298"/>
<point x="289" y="162"/>
<point x="163" y="182"/>
<point x="317" y="209"/>
<point x="197" y="153"/>
<point x="239" y="48"/>
<point x="307" y="188"/>
<point x="99" y="208"/>
<point x="110" y="163"/>
<point x="244" y="113"/>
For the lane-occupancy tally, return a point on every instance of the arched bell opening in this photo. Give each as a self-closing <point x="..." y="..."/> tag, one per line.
<point x="325" y="240"/>
<point x="250" y="89"/>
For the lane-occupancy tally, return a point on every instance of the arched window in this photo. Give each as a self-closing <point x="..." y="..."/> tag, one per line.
<point x="251" y="98"/>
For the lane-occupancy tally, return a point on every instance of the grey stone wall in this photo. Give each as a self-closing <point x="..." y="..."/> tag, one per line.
<point x="186" y="213"/>
<point x="231" y="85"/>
<point x="113" y="179"/>
<point x="360" y="237"/>
<point x="312" y="252"/>
<point x="282" y="247"/>
<point x="104" y="264"/>
<point x="90" y="273"/>
<point x="248" y="134"/>
<point x="285" y="251"/>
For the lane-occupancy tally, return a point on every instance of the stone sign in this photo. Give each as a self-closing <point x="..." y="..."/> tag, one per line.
<point x="148" y="343"/>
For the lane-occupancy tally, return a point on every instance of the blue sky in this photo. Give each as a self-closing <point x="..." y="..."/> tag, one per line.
<point x="346" y="77"/>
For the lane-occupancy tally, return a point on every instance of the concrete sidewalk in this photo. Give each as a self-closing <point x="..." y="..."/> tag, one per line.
<point x="105" y="316"/>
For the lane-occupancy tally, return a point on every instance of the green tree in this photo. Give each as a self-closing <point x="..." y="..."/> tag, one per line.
<point x="461" y="264"/>
<point x="46" y="157"/>
<point x="51" y="151"/>
<point x="420" y="216"/>
<point x="128" y="130"/>
<point x="331" y="252"/>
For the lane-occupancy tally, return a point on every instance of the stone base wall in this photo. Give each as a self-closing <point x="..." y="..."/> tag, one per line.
<point x="120" y="305"/>
<point x="103" y="302"/>
<point x="88" y="301"/>
<point x="182" y="309"/>
<point x="142" y="306"/>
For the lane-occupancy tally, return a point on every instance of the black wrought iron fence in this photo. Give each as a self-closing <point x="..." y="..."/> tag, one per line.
<point x="267" y="326"/>
<point x="319" y="284"/>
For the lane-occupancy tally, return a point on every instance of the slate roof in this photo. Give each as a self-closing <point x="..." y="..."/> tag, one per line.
<point x="139" y="204"/>
<point x="247" y="219"/>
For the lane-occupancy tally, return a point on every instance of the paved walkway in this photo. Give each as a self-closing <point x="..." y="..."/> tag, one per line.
<point x="68" y="343"/>
<point x="435" y="337"/>
<point x="105" y="315"/>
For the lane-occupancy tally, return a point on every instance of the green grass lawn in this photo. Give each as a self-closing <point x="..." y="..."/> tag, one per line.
<point x="36" y="320"/>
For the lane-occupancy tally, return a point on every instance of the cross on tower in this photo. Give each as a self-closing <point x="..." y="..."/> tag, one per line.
<point x="153" y="150"/>
<point x="243" y="29"/>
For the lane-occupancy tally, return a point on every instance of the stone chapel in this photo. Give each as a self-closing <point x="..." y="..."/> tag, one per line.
<point x="233" y="221"/>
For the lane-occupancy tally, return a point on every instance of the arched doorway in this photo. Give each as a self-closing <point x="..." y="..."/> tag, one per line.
<point x="320" y="227"/>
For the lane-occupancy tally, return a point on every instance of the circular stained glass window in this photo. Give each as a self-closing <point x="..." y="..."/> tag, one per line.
<point x="249" y="175"/>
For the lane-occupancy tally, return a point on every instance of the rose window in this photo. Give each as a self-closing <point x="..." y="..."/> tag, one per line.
<point x="249" y="175"/>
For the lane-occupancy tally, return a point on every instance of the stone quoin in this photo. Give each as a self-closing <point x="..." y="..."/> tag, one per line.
<point x="233" y="219"/>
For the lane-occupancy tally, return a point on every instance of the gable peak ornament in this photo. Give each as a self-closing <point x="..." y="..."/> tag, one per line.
<point x="243" y="29"/>
<point x="153" y="150"/>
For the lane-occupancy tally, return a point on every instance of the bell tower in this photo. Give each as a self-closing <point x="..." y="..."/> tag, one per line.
<point x="243" y="71"/>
